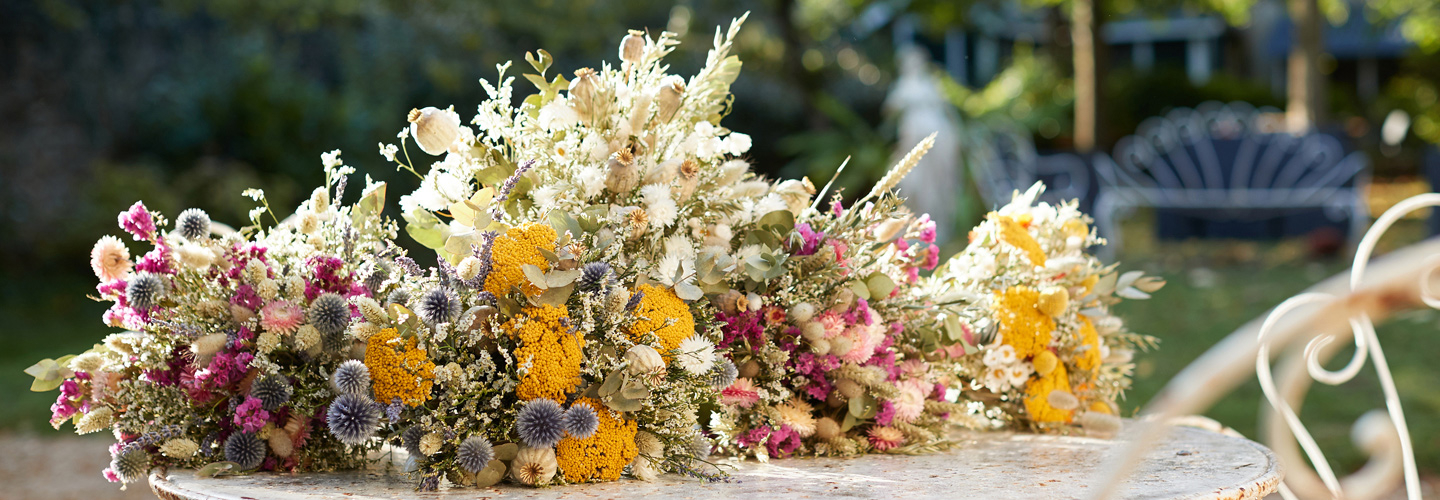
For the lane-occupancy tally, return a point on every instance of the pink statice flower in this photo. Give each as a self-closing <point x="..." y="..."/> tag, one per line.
<point x="927" y="228"/>
<point x="783" y="442"/>
<point x="138" y="222"/>
<point x="753" y="437"/>
<point x="158" y="261"/>
<point x="250" y="416"/>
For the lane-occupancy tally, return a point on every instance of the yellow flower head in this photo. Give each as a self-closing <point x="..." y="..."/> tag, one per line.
<point x="1022" y="324"/>
<point x="519" y="246"/>
<point x="1089" y="357"/>
<point x="554" y="354"/>
<point x="1014" y="233"/>
<point x="398" y="369"/>
<point x="1037" y="396"/>
<point x="662" y="312"/>
<point x="603" y="455"/>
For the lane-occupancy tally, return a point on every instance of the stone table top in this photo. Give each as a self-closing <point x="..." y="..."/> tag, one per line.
<point x="1189" y="464"/>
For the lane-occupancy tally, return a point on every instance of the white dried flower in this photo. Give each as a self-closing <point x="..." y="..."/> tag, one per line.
<point x="266" y="342"/>
<point x="697" y="355"/>
<point x="434" y="129"/>
<point x="370" y="309"/>
<point x="430" y="444"/>
<point x="267" y="289"/>
<point x="89" y="362"/>
<point x="98" y="419"/>
<point x="179" y="448"/>
<point x="194" y="256"/>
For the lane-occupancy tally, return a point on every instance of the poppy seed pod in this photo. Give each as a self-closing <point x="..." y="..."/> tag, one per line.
<point x="585" y="92"/>
<point x="689" y="178"/>
<point x="669" y="97"/>
<point x="434" y="129"/>
<point x="623" y="173"/>
<point x="632" y="47"/>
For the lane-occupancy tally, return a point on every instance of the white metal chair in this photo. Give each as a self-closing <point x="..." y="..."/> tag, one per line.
<point x="1308" y="329"/>
<point x="1220" y="161"/>
<point x="1002" y="160"/>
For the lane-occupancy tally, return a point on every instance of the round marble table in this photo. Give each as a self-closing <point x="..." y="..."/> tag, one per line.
<point x="1189" y="464"/>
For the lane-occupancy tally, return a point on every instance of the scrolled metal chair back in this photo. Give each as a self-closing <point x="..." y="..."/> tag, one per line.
<point x="1314" y="325"/>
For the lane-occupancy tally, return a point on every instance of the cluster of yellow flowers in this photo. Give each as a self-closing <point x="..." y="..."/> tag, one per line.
<point x="603" y="455"/>
<point x="1037" y="395"/>
<point x="1016" y="234"/>
<point x="1022" y="324"/>
<point x="518" y="246"/>
<point x="663" y="313"/>
<point x="398" y="369"/>
<point x="553" y="353"/>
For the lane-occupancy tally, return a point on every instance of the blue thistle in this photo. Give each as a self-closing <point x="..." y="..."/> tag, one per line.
<point x="193" y="224"/>
<point x="581" y="421"/>
<point x="377" y="276"/>
<point x="439" y="305"/>
<point x="330" y="314"/>
<point x="592" y="276"/>
<point x="399" y="296"/>
<point x="474" y="453"/>
<point x="392" y="411"/>
<point x="352" y="418"/>
<point x="410" y="440"/>
<point x="131" y="464"/>
<point x="245" y="449"/>
<point x="723" y="374"/>
<point x="272" y="391"/>
<point x="700" y="446"/>
<point x="144" y="291"/>
<point x="634" y="301"/>
<point x="541" y="423"/>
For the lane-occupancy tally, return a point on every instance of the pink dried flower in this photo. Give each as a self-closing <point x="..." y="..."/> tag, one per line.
<point x="110" y="259"/>
<point x="250" y="416"/>
<point x="138" y="222"/>
<point x="886" y="438"/>
<point x="741" y="393"/>
<point x="281" y="317"/>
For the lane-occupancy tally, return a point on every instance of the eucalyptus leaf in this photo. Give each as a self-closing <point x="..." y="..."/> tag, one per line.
<point x="953" y="329"/>
<point x="860" y="289"/>
<point x="561" y="278"/>
<point x="880" y="285"/>
<point x="634" y="389"/>
<point x="557" y="296"/>
<point x="216" y="469"/>
<point x="535" y="275"/>
<point x="623" y="405"/>
<point x="688" y="291"/>
<point x="612" y="384"/>
<point x="779" y="218"/>
<point x="848" y="423"/>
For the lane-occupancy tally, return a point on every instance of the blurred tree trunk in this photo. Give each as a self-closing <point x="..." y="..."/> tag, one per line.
<point x="1085" y="21"/>
<point x="1306" y="88"/>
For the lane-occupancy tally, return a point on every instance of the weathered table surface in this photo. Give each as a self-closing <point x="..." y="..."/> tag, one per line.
<point x="1190" y="464"/>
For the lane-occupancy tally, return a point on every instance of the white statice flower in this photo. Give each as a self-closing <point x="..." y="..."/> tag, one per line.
<point x="697" y="355"/>
<point x="747" y="251"/>
<point x="672" y="264"/>
<point x="450" y="187"/>
<point x="558" y="114"/>
<point x="591" y="179"/>
<point x="388" y="151"/>
<point x="403" y="134"/>
<point x="737" y="143"/>
<point x="597" y="147"/>
<point x="547" y="197"/>
<point x="770" y="203"/>
<point x="331" y="160"/>
<point x="659" y="205"/>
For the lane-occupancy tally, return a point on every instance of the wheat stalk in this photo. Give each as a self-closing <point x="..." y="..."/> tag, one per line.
<point x="903" y="167"/>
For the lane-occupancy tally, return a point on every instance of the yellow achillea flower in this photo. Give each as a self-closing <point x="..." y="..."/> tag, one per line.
<point x="519" y="246"/>
<point x="662" y="312"/>
<point x="1089" y="358"/>
<point x="1022" y="324"/>
<point x="398" y="369"/>
<point x="1037" y="396"/>
<point x="603" y="455"/>
<point x="1016" y="235"/>
<point x="553" y="353"/>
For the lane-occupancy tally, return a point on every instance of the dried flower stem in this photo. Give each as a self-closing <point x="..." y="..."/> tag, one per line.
<point x="903" y="167"/>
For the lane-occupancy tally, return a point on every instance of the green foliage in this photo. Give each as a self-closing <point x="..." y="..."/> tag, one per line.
<point x="818" y="153"/>
<point x="1032" y="92"/>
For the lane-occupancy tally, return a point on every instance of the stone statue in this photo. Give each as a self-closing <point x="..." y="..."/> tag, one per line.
<point x="934" y="187"/>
